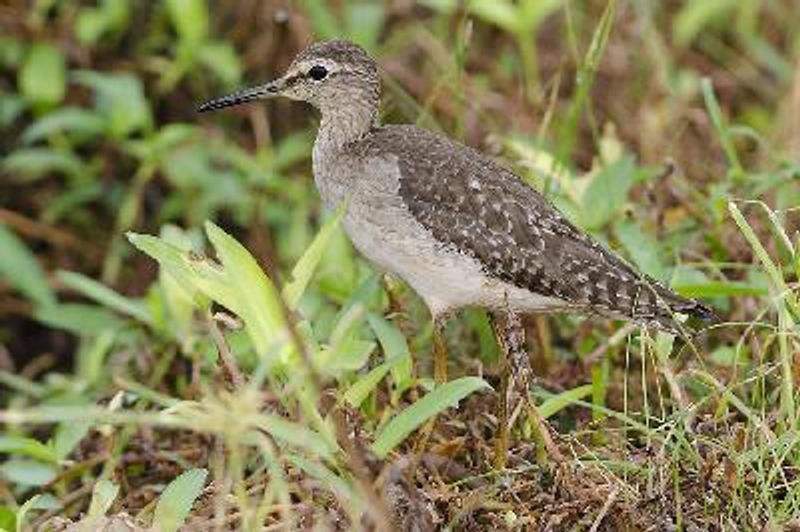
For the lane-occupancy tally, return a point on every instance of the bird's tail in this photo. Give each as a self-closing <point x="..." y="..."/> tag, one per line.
<point x="673" y="304"/>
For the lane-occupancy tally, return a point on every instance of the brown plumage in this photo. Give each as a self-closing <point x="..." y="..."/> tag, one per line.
<point x="467" y="200"/>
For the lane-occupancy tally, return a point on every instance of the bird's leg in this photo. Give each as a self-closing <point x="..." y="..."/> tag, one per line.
<point x="503" y="430"/>
<point x="516" y="369"/>
<point x="439" y="375"/>
<point x="439" y="351"/>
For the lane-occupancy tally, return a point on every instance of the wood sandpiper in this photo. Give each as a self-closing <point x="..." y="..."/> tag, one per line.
<point x="459" y="228"/>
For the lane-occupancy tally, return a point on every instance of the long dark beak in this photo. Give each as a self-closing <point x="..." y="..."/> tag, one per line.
<point x="268" y="90"/>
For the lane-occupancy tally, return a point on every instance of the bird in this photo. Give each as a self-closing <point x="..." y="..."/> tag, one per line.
<point x="460" y="228"/>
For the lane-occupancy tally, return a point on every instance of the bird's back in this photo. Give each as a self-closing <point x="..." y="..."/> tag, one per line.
<point x="470" y="203"/>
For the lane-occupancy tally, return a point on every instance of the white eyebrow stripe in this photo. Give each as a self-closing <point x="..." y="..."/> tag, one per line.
<point x="304" y="66"/>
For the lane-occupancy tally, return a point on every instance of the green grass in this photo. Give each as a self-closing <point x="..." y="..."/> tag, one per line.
<point x="187" y="338"/>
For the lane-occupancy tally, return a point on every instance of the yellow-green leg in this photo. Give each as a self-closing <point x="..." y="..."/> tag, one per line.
<point x="439" y="351"/>
<point x="516" y="369"/>
<point x="439" y="375"/>
<point x="503" y="430"/>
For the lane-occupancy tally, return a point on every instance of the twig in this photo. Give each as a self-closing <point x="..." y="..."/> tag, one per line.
<point x="56" y="237"/>
<point x="230" y="370"/>
<point x="604" y="510"/>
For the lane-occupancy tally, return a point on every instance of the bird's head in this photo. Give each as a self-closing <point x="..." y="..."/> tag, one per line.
<point x="326" y="74"/>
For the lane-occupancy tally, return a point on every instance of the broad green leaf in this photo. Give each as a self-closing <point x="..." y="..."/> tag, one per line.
<point x="176" y="501"/>
<point x="20" y="268"/>
<point x="294" y="434"/>
<point x="72" y="120"/>
<point x="79" y="318"/>
<point x="642" y="248"/>
<point x="439" y="399"/>
<point x="8" y="519"/>
<point x="18" y="445"/>
<point x="103" y="495"/>
<point x="44" y="501"/>
<point x="305" y="267"/>
<point x="34" y="163"/>
<point x="337" y="273"/>
<point x="27" y="472"/>
<point x="322" y="18"/>
<point x="727" y="355"/>
<point x="607" y="192"/>
<point x="110" y="16"/>
<point x="221" y="59"/>
<point x="178" y="300"/>
<point x="190" y="18"/>
<point x="120" y="98"/>
<point x="92" y="355"/>
<point x="364" y="22"/>
<point x="72" y="200"/>
<point x="156" y="148"/>
<point x="105" y="296"/>
<point x="256" y="299"/>
<point x="42" y="78"/>
<point x="175" y="262"/>
<point x="501" y="13"/>
<point x="535" y="11"/>
<point x="394" y="347"/>
<point x="350" y="355"/>
<point x="238" y="283"/>
<point x="360" y="390"/>
<point x="68" y="436"/>
<point x="346" y="350"/>
<point x="12" y="49"/>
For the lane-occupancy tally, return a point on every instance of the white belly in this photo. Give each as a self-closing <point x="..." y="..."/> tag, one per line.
<point x="445" y="279"/>
<point x="384" y="231"/>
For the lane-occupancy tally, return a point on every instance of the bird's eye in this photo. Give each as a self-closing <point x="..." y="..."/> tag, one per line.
<point x="317" y="72"/>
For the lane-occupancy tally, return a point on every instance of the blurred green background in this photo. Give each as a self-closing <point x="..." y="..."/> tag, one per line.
<point x="644" y="120"/>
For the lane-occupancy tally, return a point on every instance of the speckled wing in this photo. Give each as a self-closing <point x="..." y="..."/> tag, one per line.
<point x="465" y="199"/>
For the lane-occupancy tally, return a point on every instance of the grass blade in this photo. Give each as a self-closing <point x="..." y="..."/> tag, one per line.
<point x="360" y="390"/>
<point x="105" y="295"/>
<point x="394" y="347"/>
<point x="307" y="265"/>
<point x="18" y="445"/>
<point x="103" y="495"/>
<point x="715" y="112"/>
<point x="438" y="400"/>
<point x="257" y="301"/>
<point x="177" y="499"/>
<point x="556" y="403"/>
<point x="21" y="269"/>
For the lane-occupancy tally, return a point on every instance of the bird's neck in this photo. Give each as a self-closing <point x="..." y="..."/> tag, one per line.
<point x="341" y="125"/>
<point x="344" y="123"/>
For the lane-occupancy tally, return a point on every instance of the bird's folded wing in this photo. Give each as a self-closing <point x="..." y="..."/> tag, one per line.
<point x="468" y="201"/>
